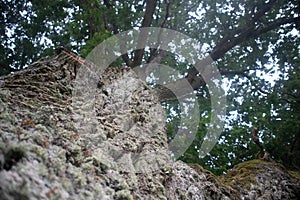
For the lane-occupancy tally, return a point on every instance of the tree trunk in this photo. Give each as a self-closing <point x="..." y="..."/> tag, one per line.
<point x="57" y="144"/>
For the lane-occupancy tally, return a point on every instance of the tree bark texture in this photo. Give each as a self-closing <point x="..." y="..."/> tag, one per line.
<point x="47" y="152"/>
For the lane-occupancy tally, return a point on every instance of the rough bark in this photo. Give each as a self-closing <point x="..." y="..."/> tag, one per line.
<point x="45" y="155"/>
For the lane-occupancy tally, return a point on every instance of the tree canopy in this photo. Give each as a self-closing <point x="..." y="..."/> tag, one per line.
<point x="255" y="45"/>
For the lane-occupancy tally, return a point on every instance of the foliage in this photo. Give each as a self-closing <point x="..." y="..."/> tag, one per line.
<point x="250" y="41"/>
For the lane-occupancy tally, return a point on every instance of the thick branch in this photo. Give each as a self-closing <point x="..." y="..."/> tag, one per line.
<point x="148" y="17"/>
<point x="165" y="92"/>
<point x="154" y="57"/>
<point x="237" y="36"/>
<point x="115" y="27"/>
<point x="226" y="44"/>
<point x="89" y="8"/>
<point x="115" y="30"/>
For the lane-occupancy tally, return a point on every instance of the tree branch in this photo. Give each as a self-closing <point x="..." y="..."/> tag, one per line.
<point x="165" y="91"/>
<point x="115" y="30"/>
<point x="227" y="44"/>
<point x="7" y="68"/>
<point x="235" y="72"/>
<point x="147" y="20"/>
<point x="275" y="24"/>
<point x="157" y="58"/>
<point x="263" y="9"/>
<point x="115" y="27"/>
<point x="286" y="100"/>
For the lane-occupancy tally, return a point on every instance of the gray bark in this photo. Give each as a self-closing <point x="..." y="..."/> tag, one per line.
<point x="53" y="147"/>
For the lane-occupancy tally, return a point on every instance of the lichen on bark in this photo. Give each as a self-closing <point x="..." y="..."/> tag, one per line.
<point x="47" y="152"/>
